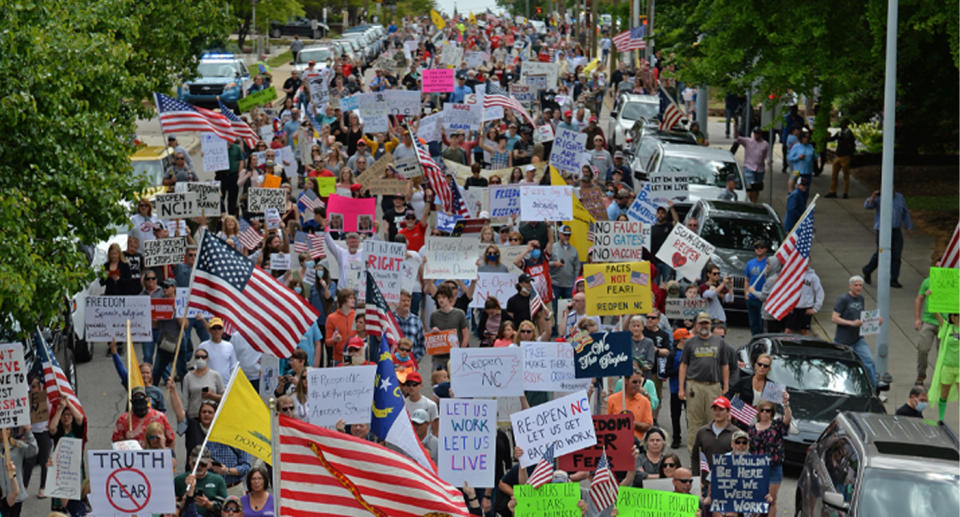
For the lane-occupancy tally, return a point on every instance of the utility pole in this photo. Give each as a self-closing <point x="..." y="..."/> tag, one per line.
<point x="593" y="26"/>
<point x="253" y="29"/>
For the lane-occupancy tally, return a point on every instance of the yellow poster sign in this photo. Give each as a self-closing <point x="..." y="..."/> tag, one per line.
<point x="615" y="289"/>
<point x="580" y="224"/>
<point x="437" y="19"/>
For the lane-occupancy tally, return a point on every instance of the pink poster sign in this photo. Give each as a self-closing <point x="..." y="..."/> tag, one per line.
<point x="346" y="214"/>
<point x="437" y="80"/>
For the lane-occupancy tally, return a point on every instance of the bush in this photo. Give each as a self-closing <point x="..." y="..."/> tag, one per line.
<point x="870" y="135"/>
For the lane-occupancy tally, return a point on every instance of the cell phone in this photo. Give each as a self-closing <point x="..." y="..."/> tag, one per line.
<point x="205" y="389"/>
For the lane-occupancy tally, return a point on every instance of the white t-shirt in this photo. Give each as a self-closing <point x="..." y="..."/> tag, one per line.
<point x="247" y="356"/>
<point x="424" y="403"/>
<point x="223" y="358"/>
<point x="143" y="226"/>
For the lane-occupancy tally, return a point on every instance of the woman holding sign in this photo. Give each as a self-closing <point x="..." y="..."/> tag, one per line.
<point x="766" y="437"/>
<point x="945" y="373"/>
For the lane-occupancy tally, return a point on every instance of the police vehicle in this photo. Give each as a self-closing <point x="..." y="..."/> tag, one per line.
<point x="221" y="75"/>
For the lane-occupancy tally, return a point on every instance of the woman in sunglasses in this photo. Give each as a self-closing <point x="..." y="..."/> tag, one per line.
<point x="766" y="437"/>
<point x="750" y="388"/>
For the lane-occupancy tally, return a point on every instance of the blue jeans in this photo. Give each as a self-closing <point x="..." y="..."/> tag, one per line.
<point x="664" y="272"/>
<point x="728" y="115"/>
<point x="753" y="315"/>
<point x="862" y="350"/>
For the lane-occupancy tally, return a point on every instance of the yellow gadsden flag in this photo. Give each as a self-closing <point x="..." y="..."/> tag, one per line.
<point x="580" y="224"/>
<point x="437" y="19"/>
<point x="243" y="420"/>
<point x="134" y="378"/>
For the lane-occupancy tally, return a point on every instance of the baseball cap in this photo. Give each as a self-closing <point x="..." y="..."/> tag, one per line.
<point x="530" y="168"/>
<point x="216" y="322"/>
<point x="703" y="316"/>
<point x="524" y="278"/>
<point x="565" y="229"/>
<point x="355" y="342"/>
<point x="410" y="214"/>
<point x="196" y="453"/>
<point x="311" y="62"/>
<point x="681" y="333"/>
<point x="169" y="283"/>
<point x="419" y="416"/>
<point x="731" y="177"/>
<point x="618" y="154"/>
<point x="593" y="119"/>
<point x="138" y="390"/>
<point x="740" y="433"/>
<point x="721" y="401"/>
<point x="414" y="377"/>
<point x="757" y="129"/>
<point x="567" y="113"/>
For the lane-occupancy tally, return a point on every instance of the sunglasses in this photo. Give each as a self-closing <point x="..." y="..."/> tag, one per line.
<point x="763" y="365"/>
<point x="405" y="349"/>
<point x="765" y="410"/>
<point x="231" y="510"/>
<point x="742" y="441"/>
<point x="714" y="273"/>
<point x="153" y="437"/>
<point x="142" y="205"/>
<point x="670" y="465"/>
<point x="200" y="356"/>
<point x="287" y="409"/>
<point x="688" y="480"/>
<point x="513" y="239"/>
<point x="203" y="464"/>
<point x="149" y="278"/>
<point x="411" y="384"/>
<point x="526" y="331"/>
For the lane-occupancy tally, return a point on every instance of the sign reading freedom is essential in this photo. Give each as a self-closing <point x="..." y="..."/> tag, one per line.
<point x="546" y="203"/>
<point x="486" y="372"/>
<point x="616" y="289"/>
<point x="259" y="199"/>
<point x="14" y="392"/>
<point x="128" y="482"/>
<point x="944" y="290"/>
<point x="740" y="483"/>
<point x="178" y="205"/>
<point x="159" y="252"/>
<point x="344" y="393"/>
<point x="603" y="354"/>
<point x="564" y="422"/>
<point x="618" y="241"/>
<point x="615" y="434"/>
<point x="640" y="502"/>
<point x="686" y="252"/>
<point x="450" y="258"/>
<point x="467" y="444"/>
<point x="504" y="200"/>
<point x="552" y="499"/>
<point x="548" y="366"/>
<point x="105" y="318"/>
<point x="265" y="96"/>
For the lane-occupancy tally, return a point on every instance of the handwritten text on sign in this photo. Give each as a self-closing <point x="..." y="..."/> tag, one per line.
<point x="486" y="372"/>
<point x="437" y="80"/>
<point x="340" y="394"/>
<point x="669" y="184"/>
<point x="499" y="285"/>
<point x="158" y="252"/>
<point x="259" y="199"/>
<point x="618" y="241"/>
<point x="550" y="500"/>
<point x="617" y="289"/>
<point x="384" y="261"/>
<point x="871" y="322"/>
<point x="214" y="149"/>
<point x="740" y="483"/>
<point x="546" y="203"/>
<point x="643" y="209"/>
<point x="640" y="502"/>
<point x="128" y="482"/>
<point x="450" y="258"/>
<point x="504" y="200"/>
<point x="64" y="477"/>
<point x="106" y="318"/>
<point x="686" y="252"/>
<point x="207" y="192"/>
<point x="565" y="422"/>
<point x="615" y="435"/>
<point x="14" y="398"/>
<point x="177" y="205"/>
<point x="684" y="308"/>
<point x="565" y="153"/>
<point x="467" y="442"/>
<point x="548" y="366"/>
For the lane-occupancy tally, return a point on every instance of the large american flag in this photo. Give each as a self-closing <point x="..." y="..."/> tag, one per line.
<point x="507" y="102"/>
<point x="54" y="379"/>
<point x="241" y="128"/>
<point x="951" y="256"/>
<point x="438" y="182"/>
<point x="794" y="257"/>
<point x="249" y="236"/>
<point x="603" y="486"/>
<point x="670" y="114"/>
<point x="632" y="39"/>
<point x="379" y="317"/>
<point x="742" y="411"/>
<point x="324" y="472"/>
<point x="179" y="117"/>
<point x="543" y="473"/>
<point x="266" y="312"/>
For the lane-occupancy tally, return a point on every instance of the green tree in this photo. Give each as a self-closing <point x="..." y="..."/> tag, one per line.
<point x="76" y="74"/>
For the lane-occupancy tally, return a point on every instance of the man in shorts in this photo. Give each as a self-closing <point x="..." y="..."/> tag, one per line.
<point x="755" y="151"/>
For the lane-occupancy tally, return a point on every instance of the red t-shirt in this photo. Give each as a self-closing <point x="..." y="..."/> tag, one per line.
<point x="415" y="236"/>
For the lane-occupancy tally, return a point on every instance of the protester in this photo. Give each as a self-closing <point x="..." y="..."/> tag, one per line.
<point x="258" y="501"/>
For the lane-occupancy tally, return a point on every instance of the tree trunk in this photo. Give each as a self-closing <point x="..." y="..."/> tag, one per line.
<point x="242" y="31"/>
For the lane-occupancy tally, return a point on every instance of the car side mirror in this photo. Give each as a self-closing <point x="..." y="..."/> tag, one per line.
<point x="835" y="500"/>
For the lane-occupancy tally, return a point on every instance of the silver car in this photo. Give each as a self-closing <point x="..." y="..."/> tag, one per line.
<point x="706" y="169"/>
<point x="631" y="108"/>
<point x="322" y="54"/>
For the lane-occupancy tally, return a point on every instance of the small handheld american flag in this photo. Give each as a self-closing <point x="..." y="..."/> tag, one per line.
<point x="742" y="411"/>
<point x="603" y="487"/>
<point x="543" y="474"/>
<point x="249" y="236"/>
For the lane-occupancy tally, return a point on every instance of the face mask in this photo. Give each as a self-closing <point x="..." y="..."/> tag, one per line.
<point x="535" y="253"/>
<point x="921" y="406"/>
<point x="492" y="257"/>
<point x="524" y="291"/>
<point x="200" y="363"/>
<point x="140" y="407"/>
<point x="703" y="331"/>
<point x="309" y="264"/>
<point x="609" y="193"/>
<point x="298" y="289"/>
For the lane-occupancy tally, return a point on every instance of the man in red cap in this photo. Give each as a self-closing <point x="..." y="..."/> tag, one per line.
<point x="715" y="437"/>
<point x="415" y="400"/>
<point x="568" y="122"/>
<point x="355" y="355"/>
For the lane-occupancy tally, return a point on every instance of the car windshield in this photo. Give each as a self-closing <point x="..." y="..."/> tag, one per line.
<point x="645" y="149"/>
<point x="894" y="493"/>
<point x="314" y="54"/>
<point x="639" y="110"/>
<point x="739" y="234"/>
<point x="812" y="373"/>
<point x="212" y="69"/>
<point x="701" y="172"/>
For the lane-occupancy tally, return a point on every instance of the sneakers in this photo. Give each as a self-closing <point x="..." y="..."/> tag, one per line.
<point x="830" y="195"/>
<point x="896" y="284"/>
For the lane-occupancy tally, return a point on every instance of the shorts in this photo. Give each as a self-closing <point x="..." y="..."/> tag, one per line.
<point x="776" y="474"/>
<point x="754" y="179"/>
<point x="949" y="375"/>
<point x="798" y="319"/>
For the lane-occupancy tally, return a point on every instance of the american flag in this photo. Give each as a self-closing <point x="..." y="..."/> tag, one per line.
<point x="379" y="317"/>
<point x="318" y="248"/>
<point x="325" y="472"/>
<point x="438" y="181"/>
<point x="536" y="303"/>
<point x="54" y="379"/>
<point x="794" y="257"/>
<point x="543" y="473"/>
<point x="670" y="114"/>
<point x="951" y="256"/>
<point x="494" y="88"/>
<point x="179" y="117"/>
<point x="603" y="487"/>
<point x="249" y="236"/>
<point x="300" y="243"/>
<point x="632" y="39"/>
<point x="266" y="312"/>
<point x="241" y="128"/>
<point x="307" y="201"/>
<point x="459" y="198"/>
<point x="742" y="411"/>
<point x="704" y="464"/>
<point x="506" y="102"/>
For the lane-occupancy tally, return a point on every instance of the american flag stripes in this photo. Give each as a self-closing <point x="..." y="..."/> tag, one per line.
<point x="459" y="198"/>
<point x="300" y="243"/>
<point x="438" y="182"/>
<point x="507" y="102"/>
<point x="326" y="472"/>
<point x="241" y="128"/>
<point x="249" y="236"/>
<point x="543" y="473"/>
<point x="632" y="39"/>
<point x="536" y="303"/>
<point x="307" y="201"/>
<point x="794" y="257"/>
<point x="179" y="117"/>
<point x="379" y="317"/>
<point x="742" y="411"/>
<point x="951" y="256"/>
<point x="267" y="313"/>
<point x="670" y="114"/>
<point x="55" y="380"/>
<point x="318" y="248"/>
<point x="603" y="486"/>
<point x="704" y="465"/>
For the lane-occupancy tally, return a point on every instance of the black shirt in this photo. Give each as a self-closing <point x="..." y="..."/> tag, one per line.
<point x="906" y="410"/>
<point x="659" y="233"/>
<point x="476" y="182"/>
<point x="292" y="84"/>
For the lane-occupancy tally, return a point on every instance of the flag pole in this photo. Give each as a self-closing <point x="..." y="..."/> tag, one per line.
<point x="206" y="438"/>
<point x="176" y="353"/>
<point x="129" y="381"/>
<point x="792" y="231"/>
<point x="275" y="451"/>
<point x="46" y="349"/>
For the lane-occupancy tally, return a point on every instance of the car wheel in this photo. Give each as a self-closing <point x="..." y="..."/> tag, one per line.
<point x="275" y="33"/>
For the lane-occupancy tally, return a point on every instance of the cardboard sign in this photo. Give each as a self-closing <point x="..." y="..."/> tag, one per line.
<point x="441" y="342"/>
<point x="162" y="308"/>
<point x="105" y="318"/>
<point x="429" y="129"/>
<point x="683" y="308"/>
<point x="259" y="199"/>
<point x="450" y="258"/>
<point x="486" y="372"/>
<point x="207" y="193"/>
<point x="615" y="434"/>
<point x="603" y="354"/>
<point x="618" y="241"/>
<point x="773" y="392"/>
<point x="14" y="390"/>
<point x="499" y="285"/>
<point x="564" y="422"/>
<point x="177" y="205"/>
<point x="408" y="167"/>
<point x="686" y="252"/>
<point x="214" y="152"/>
<point x="543" y="133"/>
<point x="640" y="502"/>
<point x="669" y="185"/>
<point x="534" y="68"/>
<point x="344" y="213"/>
<point x="592" y="199"/>
<point x="39" y="410"/>
<point x="159" y="252"/>
<point x="617" y="289"/>
<point x="467" y="442"/>
<point x="384" y="261"/>
<point x="546" y="203"/>
<point x="643" y="209"/>
<point x="128" y="482"/>
<point x="526" y="95"/>
<point x="280" y="261"/>
<point x="552" y="499"/>
<point x="263" y="97"/>
<point x="504" y="200"/>
<point x="64" y="477"/>
<point x="344" y="393"/>
<point x="566" y="150"/>
<point x="437" y="80"/>
<point x="373" y="178"/>
<point x="464" y="116"/>
<point x="548" y="366"/>
<point x="944" y="290"/>
<point x="740" y="483"/>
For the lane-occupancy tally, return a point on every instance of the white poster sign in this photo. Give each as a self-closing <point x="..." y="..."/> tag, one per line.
<point x="180" y="304"/>
<point x="214" y="151"/>
<point x="684" y="308"/>
<point x="384" y="261"/>
<point x="178" y="205"/>
<point x="374" y="110"/>
<point x="105" y="318"/>
<point x="499" y="285"/>
<point x="280" y="261"/>
<point x="467" y="442"/>
<point x="686" y="252"/>
<point x="344" y="393"/>
<point x="64" y="477"/>
<point x="543" y="133"/>
<point x="207" y="192"/>
<point x="548" y="366"/>
<point x="403" y="102"/>
<point x="539" y="203"/>
<point x="536" y="68"/>
<point x="450" y="257"/>
<point x="773" y="392"/>
<point x="567" y="147"/>
<point x="504" y="200"/>
<point x="466" y="116"/>
<point x="259" y="199"/>
<point x="429" y="129"/>
<point x="669" y="185"/>
<point x="486" y="372"/>
<point x="159" y="252"/>
<point x="565" y="422"/>
<point x="618" y="241"/>
<point x="131" y="482"/>
<point x="871" y="323"/>
<point x="14" y="391"/>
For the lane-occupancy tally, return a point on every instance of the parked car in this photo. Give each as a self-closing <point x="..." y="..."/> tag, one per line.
<point x="732" y="227"/>
<point x="631" y="108"/>
<point x="642" y="141"/>
<point x="705" y="168"/>
<point x="822" y="378"/>
<point x="222" y="75"/>
<point x="871" y="465"/>
<point x="322" y="54"/>
<point x="351" y="47"/>
<point x="299" y="26"/>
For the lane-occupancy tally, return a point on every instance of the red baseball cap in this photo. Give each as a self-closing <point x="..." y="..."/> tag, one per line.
<point x="355" y="342"/>
<point x="721" y="402"/>
<point x="567" y="113"/>
<point x="414" y="377"/>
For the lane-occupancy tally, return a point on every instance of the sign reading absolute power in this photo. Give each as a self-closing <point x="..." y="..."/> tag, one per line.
<point x="131" y="482"/>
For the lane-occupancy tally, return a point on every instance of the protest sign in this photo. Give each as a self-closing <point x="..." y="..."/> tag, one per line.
<point x="564" y="422"/>
<point x="871" y="322"/>
<point x="464" y="116"/>
<point x="499" y="285"/>
<point x="740" y="483"/>
<point x="181" y="302"/>
<point x="450" y="257"/>
<point x="271" y="218"/>
<point x="567" y="146"/>
<point x="944" y="290"/>
<point x="326" y="186"/>
<point x="207" y="194"/>
<point x="429" y="129"/>
<point x="526" y="95"/>
<point x="684" y="308"/>
<point x="374" y="110"/>
<point x="615" y="435"/>
<point x="159" y="252"/>
<point x="543" y="133"/>
<point x="64" y="477"/>
<point x="643" y="209"/>
<point x="494" y="113"/>
<point x="347" y="211"/>
<point x="350" y="103"/>
<point x="437" y="80"/>
<point x="105" y="318"/>
<point x="259" y="199"/>
<point x="592" y="199"/>
<point x="128" y="482"/>
<point x="546" y="203"/>
<point x="548" y="366"/>
<point x="287" y="159"/>
<point x="176" y="205"/>
<point x="269" y="376"/>
<point x="686" y="252"/>
<point x="474" y="58"/>
<point x="668" y="184"/>
<point x="773" y="392"/>
<point x="535" y="68"/>
<point x="380" y="186"/>
<point x="507" y="406"/>
<point x="344" y="393"/>
<point x="263" y="97"/>
<point x="280" y="261"/>
<point x="552" y="499"/>
<point x="441" y="341"/>
<point x="14" y="398"/>
<point x="446" y="222"/>
<point x="384" y="261"/>
<point x="39" y="410"/>
<point x="504" y="200"/>
<point x="403" y="102"/>
<point x="213" y="149"/>
<point x="640" y="502"/>
<point x="462" y="172"/>
<point x="452" y="55"/>
<point x="619" y="288"/>
<point x="603" y="354"/>
<point x="408" y="167"/>
<point x="467" y="442"/>
<point x="162" y="308"/>
<point x="477" y="200"/>
<point x="486" y="372"/>
<point x="127" y="445"/>
<point x="618" y="241"/>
